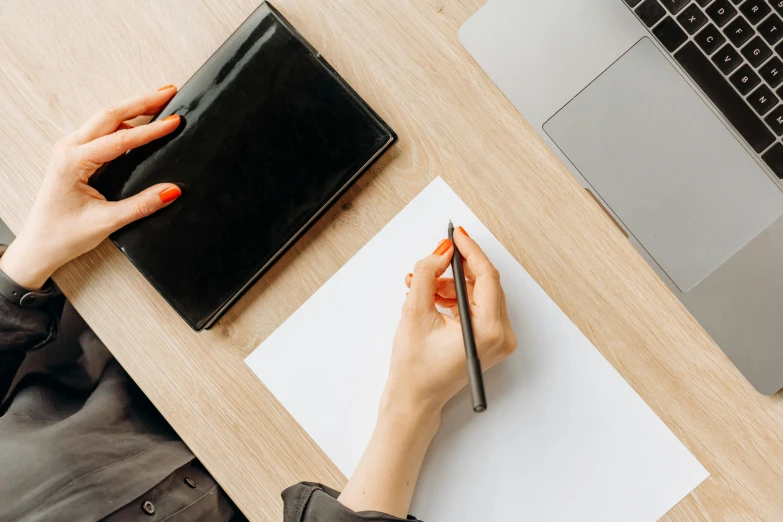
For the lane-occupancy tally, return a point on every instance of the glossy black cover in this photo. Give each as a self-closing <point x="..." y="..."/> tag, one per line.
<point x="270" y="136"/>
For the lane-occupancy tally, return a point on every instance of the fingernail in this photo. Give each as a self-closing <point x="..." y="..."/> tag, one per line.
<point x="167" y="87"/>
<point x="463" y="231"/>
<point x="170" y="194"/>
<point x="169" y="118"/>
<point x="410" y="275"/>
<point x="443" y="247"/>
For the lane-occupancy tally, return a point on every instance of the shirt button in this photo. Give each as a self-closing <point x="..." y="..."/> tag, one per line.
<point x="148" y="507"/>
<point x="190" y="483"/>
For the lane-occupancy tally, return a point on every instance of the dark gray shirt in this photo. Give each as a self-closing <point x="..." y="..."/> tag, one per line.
<point x="79" y="441"/>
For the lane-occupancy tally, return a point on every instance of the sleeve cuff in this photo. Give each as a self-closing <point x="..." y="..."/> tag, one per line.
<point x="27" y="329"/>
<point x="310" y="502"/>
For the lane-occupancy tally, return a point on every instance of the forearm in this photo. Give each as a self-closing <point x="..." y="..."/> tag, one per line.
<point x="386" y="476"/>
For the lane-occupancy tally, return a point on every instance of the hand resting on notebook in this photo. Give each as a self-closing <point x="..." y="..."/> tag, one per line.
<point x="427" y="369"/>
<point x="69" y="217"/>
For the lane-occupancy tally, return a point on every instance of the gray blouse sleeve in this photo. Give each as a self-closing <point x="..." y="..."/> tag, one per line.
<point x="309" y="502"/>
<point x="23" y="330"/>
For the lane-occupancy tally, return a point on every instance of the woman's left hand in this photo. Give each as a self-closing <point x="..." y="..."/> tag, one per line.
<point x="69" y="216"/>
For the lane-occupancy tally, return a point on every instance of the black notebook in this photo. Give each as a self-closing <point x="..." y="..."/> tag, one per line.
<point x="270" y="137"/>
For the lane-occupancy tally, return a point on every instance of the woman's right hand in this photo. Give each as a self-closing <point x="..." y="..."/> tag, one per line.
<point x="428" y="368"/>
<point x="428" y="364"/>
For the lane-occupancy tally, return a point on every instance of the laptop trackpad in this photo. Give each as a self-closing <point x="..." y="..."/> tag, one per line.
<point x="665" y="164"/>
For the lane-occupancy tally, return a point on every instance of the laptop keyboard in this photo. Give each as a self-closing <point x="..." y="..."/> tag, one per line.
<point x="733" y="50"/>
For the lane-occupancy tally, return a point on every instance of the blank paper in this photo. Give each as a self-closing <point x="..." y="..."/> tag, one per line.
<point x="564" y="438"/>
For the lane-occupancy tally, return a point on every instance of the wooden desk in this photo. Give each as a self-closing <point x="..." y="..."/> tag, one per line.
<point x="62" y="61"/>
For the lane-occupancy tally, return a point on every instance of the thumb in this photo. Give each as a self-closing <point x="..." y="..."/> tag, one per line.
<point x="143" y="204"/>
<point x="424" y="284"/>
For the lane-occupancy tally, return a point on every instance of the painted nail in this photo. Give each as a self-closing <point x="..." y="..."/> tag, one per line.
<point x="172" y="117"/>
<point x="410" y="275"/>
<point x="170" y="194"/>
<point x="167" y="87"/>
<point x="443" y="247"/>
<point x="463" y="231"/>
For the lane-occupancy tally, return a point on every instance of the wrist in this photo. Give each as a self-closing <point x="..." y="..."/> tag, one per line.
<point x="419" y="416"/>
<point x="24" y="267"/>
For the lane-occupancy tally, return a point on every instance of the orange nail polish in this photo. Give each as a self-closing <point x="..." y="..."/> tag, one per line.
<point x="167" y="87"/>
<point x="463" y="231"/>
<point x="170" y="194"/>
<point x="169" y="118"/>
<point x="443" y="247"/>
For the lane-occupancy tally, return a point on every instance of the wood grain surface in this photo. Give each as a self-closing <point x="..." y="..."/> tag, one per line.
<point x="61" y="61"/>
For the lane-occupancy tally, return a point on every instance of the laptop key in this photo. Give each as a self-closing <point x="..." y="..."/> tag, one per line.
<point x="755" y="10"/>
<point x="774" y="158"/>
<point x="745" y="79"/>
<point x="772" y="72"/>
<point x="692" y="19"/>
<point x="721" y="11"/>
<point x="778" y="5"/>
<point x="632" y="3"/>
<point x="710" y="39"/>
<point x="771" y="29"/>
<point x="650" y="12"/>
<point x="739" y="31"/>
<point x="775" y="120"/>
<point x="727" y="59"/>
<point x="675" y="6"/>
<point x="756" y="52"/>
<point x="762" y="100"/>
<point x="670" y="34"/>
<point x="705" y="2"/>
<point x="725" y="98"/>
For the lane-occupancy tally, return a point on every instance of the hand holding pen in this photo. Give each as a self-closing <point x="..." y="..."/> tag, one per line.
<point x="428" y="357"/>
<point x="427" y="369"/>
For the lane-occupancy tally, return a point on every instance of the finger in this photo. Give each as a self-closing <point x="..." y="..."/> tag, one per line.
<point x="425" y="278"/>
<point x="444" y="284"/>
<point x="487" y="292"/>
<point x="445" y="287"/>
<point x="106" y="121"/>
<point x="469" y="275"/>
<point x="107" y="148"/>
<point x="445" y="303"/>
<point x="124" y="126"/>
<point x="143" y="204"/>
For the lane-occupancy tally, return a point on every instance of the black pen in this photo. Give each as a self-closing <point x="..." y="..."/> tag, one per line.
<point x="474" y="364"/>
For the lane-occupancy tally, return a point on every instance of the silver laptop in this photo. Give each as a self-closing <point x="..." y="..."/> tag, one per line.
<point x="669" y="112"/>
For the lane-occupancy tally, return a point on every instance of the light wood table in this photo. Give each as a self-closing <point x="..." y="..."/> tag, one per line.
<point x="62" y="61"/>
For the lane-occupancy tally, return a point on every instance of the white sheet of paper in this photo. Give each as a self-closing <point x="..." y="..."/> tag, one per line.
<point x="564" y="438"/>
